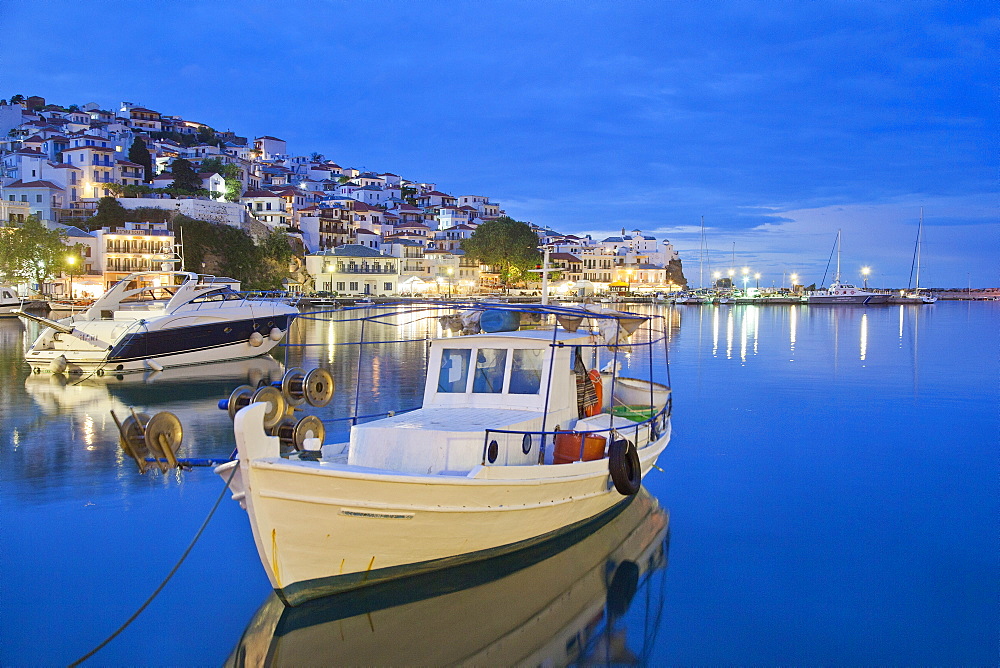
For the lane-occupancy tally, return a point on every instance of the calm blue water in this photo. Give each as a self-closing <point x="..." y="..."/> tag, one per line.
<point x="832" y="492"/>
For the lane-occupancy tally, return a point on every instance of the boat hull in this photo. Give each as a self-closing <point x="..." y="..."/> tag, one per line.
<point x="322" y="527"/>
<point x="148" y="349"/>
<point x="545" y="599"/>
<point x="835" y="300"/>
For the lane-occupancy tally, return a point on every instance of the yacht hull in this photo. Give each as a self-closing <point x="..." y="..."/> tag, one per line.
<point x="144" y="347"/>
<point x="820" y="300"/>
<point x="325" y="527"/>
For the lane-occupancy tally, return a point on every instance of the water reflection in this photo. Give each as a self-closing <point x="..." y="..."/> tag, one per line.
<point x="565" y="601"/>
<point x="750" y="330"/>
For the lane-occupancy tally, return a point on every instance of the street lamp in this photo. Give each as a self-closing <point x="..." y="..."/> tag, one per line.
<point x="71" y="261"/>
<point x="629" y="274"/>
<point x="746" y="277"/>
<point x="756" y="277"/>
<point x="795" y="279"/>
<point x="717" y="275"/>
<point x="451" y="270"/>
<point x="864" y="272"/>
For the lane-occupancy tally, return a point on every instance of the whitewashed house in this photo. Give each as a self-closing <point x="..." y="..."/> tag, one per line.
<point x="354" y="270"/>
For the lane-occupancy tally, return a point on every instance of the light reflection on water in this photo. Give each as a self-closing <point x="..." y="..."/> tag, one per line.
<point x="825" y="462"/>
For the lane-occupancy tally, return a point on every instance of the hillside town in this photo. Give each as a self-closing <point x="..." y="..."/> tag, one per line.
<point x="354" y="232"/>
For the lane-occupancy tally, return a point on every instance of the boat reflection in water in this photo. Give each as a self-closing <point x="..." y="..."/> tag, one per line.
<point x="559" y="602"/>
<point x="56" y="393"/>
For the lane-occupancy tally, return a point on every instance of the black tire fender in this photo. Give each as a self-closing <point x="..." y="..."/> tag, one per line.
<point x="623" y="464"/>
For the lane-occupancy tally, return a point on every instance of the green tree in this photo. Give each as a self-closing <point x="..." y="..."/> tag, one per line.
<point x="186" y="179"/>
<point x="506" y="244"/>
<point x="229" y="251"/>
<point x="139" y="154"/>
<point x="110" y="213"/>
<point x="17" y="99"/>
<point x="30" y="252"/>
<point x="230" y="172"/>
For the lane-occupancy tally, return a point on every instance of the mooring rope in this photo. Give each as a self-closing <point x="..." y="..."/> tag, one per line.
<point x="165" y="580"/>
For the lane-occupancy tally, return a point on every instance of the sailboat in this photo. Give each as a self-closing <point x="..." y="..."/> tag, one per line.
<point x="917" y="295"/>
<point x="844" y="293"/>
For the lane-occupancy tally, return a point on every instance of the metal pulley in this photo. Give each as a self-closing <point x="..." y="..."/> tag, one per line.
<point x="158" y="437"/>
<point x="319" y="387"/>
<point x="316" y="387"/>
<point x="293" y="386"/>
<point x="294" y="434"/>
<point x="241" y="397"/>
<point x="276" y="405"/>
<point x="163" y="435"/>
<point x="308" y="427"/>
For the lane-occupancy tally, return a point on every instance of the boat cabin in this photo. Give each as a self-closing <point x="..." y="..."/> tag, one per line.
<point x="479" y="387"/>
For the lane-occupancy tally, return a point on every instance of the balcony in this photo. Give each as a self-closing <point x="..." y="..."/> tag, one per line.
<point x="384" y="271"/>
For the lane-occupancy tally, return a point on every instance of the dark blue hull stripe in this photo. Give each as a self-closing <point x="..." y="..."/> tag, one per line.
<point x="179" y="340"/>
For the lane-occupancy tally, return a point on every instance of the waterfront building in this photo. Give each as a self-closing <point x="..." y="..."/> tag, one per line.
<point x="354" y="270"/>
<point x="135" y="247"/>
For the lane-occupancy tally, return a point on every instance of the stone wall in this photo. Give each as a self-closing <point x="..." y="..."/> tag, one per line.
<point x="224" y="213"/>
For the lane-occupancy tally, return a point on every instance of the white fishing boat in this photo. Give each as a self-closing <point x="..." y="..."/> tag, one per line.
<point x="839" y="293"/>
<point x="511" y="446"/>
<point x="561" y="603"/>
<point x="153" y="320"/>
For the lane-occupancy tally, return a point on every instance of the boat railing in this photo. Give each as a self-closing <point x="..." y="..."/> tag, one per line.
<point x="280" y="296"/>
<point x="498" y="444"/>
<point x="354" y="419"/>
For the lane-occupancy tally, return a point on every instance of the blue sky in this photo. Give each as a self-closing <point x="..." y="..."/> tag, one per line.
<point x="778" y="122"/>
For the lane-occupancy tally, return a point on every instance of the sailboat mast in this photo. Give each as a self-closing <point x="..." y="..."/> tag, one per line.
<point x="701" y="256"/>
<point x="920" y="230"/>
<point x="837" y="278"/>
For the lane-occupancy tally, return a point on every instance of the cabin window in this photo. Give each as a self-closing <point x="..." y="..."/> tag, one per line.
<point x="454" y="373"/>
<point x="526" y="371"/>
<point x="490" y="366"/>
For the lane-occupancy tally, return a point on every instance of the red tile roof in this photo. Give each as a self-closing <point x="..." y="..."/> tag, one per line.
<point x="34" y="184"/>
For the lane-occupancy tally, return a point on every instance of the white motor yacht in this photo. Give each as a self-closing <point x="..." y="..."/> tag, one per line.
<point x="153" y="320"/>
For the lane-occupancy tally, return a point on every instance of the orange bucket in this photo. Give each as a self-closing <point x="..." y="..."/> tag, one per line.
<point x="570" y="443"/>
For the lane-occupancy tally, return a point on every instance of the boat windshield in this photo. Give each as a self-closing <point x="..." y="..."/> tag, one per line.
<point x="454" y="373"/>
<point x="490" y="366"/>
<point x="491" y="370"/>
<point x="151" y="294"/>
<point x="220" y="295"/>
<point x="526" y="371"/>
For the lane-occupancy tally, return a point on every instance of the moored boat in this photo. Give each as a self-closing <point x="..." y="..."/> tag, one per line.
<point x="559" y="603"/>
<point x="838" y="293"/>
<point x="845" y="293"/>
<point x="511" y="447"/>
<point x="153" y="320"/>
<point x="11" y="302"/>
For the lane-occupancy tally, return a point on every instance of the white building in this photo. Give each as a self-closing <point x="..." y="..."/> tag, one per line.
<point x="354" y="270"/>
